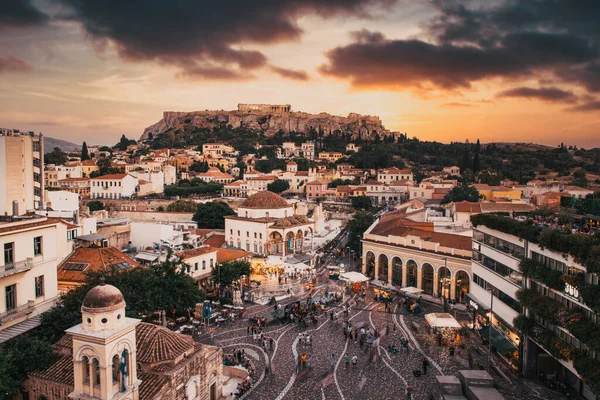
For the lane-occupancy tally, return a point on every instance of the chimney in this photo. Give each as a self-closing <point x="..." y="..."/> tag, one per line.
<point x="15" y="208"/>
<point x="76" y="217"/>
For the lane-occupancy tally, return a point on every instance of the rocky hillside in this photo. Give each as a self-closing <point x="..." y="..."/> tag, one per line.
<point x="270" y="122"/>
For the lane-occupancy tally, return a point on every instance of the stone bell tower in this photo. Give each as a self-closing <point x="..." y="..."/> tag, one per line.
<point x="104" y="348"/>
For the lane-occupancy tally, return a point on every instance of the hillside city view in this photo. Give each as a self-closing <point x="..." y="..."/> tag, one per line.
<point x="366" y="199"/>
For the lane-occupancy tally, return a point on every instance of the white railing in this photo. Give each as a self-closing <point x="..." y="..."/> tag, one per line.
<point x="13" y="268"/>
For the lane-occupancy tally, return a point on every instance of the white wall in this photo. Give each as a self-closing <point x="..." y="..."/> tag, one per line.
<point x="145" y="234"/>
<point x="63" y="200"/>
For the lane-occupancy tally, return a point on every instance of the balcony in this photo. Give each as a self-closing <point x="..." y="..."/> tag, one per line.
<point x="15" y="268"/>
<point x="17" y="312"/>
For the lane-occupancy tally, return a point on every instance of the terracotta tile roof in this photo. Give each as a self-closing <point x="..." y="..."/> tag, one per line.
<point x="35" y="222"/>
<point x="216" y="241"/>
<point x="156" y="344"/>
<point x="235" y="184"/>
<point x="152" y="385"/>
<point x="224" y="255"/>
<point x="73" y="179"/>
<point x="203" y="232"/>
<point x="265" y="200"/>
<point x="489" y="207"/>
<point x="89" y="163"/>
<point x="111" y="176"/>
<point x="263" y="178"/>
<point x="301" y="173"/>
<point x="467" y="206"/>
<point x="61" y="371"/>
<point x="86" y="259"/>
<point x="198" y="251"/>
<point x="374" y="182"/>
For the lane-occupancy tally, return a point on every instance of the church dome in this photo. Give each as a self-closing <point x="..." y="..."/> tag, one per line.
<point x="103" y="298"/>
<point x="265" y="200"/>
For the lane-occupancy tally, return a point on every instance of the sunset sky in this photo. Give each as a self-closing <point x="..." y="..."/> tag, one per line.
<point x="519" y="71"/>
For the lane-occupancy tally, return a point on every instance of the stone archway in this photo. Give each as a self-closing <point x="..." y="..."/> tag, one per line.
<point x="299" y="240"/>
<point x="462" y="285"/>
<point x="411" y="273"/>
<point x="370" y="264"/>
<point x="427" y="278"/>
<point x="444" y="283"/>
<point x="289" y="242"/>
<point x="383" y="268"/>
<point x="275" y="245"/>
<point x="397" y="271"/>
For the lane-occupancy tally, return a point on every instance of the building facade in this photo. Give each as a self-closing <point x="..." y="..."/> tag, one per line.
<point x="113" y="186"/>
<point x="21" y="171"/>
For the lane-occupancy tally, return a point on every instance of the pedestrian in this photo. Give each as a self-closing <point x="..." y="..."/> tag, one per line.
<point x="248" y="332"/>
<point x="451" y="350"/>
<point x="406" y="348"/>
<point x="439" y="339"/>
<point x="309" y="363"/>
<point x="332" y="361"/>
<point x="354" y="362"/>
<point x="303" y="360"/>
<point x="347" y="360"/>
<point x="271" y="342"/>
<point x="264" y="343"/>
<point x="212" y="334"/>
<point x="425" y="365"/>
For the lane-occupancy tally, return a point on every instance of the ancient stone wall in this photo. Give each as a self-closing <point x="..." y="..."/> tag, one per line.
<point x="266" y="108"/>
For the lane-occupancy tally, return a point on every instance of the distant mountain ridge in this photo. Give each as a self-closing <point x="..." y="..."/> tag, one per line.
<point x="50" y="143"/>
<point x="270" y="119"/>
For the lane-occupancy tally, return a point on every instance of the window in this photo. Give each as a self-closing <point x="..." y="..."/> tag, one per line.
<point x="247" y="246"/>
<point x="196" y="267"/>
<point x="37" y="246"/>
<point x="203" y="265"/>
<point x="247" y="234"/>
<point x="11" y="297"/>
<point x="72" y="234"/>
<point x="238" y="233"/>
<point x="39" y="286"/>
<point x="212" y="262"/>
<point x="506" y="299"/>
<point x="9" y="253"/>
<point x="254" y="235"/>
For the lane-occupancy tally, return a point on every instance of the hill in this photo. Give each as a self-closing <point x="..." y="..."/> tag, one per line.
<point x="269" y="119"/>
<point x="50" y="143"/>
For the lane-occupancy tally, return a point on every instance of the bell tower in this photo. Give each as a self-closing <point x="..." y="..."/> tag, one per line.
<point x="104" y="348"/>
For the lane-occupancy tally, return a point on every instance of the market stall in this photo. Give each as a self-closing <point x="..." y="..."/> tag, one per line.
<point x="444" y="326"/>
<point x="412" y="299"/>
<point x="334" y="272"/>
<point x="383" y="295"/>
<point x="355" y="279"/>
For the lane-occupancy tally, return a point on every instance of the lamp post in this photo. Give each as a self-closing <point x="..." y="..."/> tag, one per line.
<point x="489" y="363"/>
<point x="352" y="260"/>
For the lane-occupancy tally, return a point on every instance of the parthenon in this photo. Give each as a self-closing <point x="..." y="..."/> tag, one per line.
<point x="277" y="108"/>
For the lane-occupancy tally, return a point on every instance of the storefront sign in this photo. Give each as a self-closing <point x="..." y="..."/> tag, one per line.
<point x="473" y="304"/>
<point x="571" y="290"/>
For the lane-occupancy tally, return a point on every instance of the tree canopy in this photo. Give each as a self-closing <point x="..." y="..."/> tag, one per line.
<point x="56" y="157"/>
<point x="182" y="206"/>
<point x="278" y="186"/>
<point x="85" y="155"/>
<point x="357" y="227"/>
<point x="361" y="203"/>
<point x="212" y="214"/>
<point x="95" y="205"/>
<point x="228" y="272"/>
<point x="460" y="193"/>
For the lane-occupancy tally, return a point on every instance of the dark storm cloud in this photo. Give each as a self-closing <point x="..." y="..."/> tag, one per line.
<point x="295" y="75"/>
<point x="13" y="64"/>
<point x="593" y="105"/>
<point x="513" y="40"/>
<point x="198" y="35"/>
<point x="546" y="94"/>
<point x="20" y="13"/>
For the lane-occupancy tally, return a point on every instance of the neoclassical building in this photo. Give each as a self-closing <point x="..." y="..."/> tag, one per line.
<point x="405" y="252"/>
<point x="110" y="356"/>
<point x="267" y="224"/>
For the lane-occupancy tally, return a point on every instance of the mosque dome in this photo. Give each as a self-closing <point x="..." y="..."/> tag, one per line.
<point x="265" y="200"/>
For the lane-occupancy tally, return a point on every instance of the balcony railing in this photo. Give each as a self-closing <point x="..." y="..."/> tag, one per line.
<point x="14" y="268"/>
<point x="17" y="312"/>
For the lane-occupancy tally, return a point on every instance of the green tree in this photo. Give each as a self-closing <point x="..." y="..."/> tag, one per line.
<point x="278" y="186"/>
<point x="361" y="203"/>
<point x="105" y="167"/>
<point x="56" y="157"/>
<point x="580" y="178"/>
<point x="357" y="227"/>
<point x="476" y="160"/>
<point x="85" y="155"/>
<point x="460" y="193"/>
<point x="124" y="142"/>
<point x="212" y="214"/>
<point x="228" y="272"/>
<point x="19" y="357"/>
<point x="95" y="205"/>
<point x="182" y="206"/>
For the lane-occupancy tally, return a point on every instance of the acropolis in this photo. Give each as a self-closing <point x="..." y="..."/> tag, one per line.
<point x="270" y="108"/>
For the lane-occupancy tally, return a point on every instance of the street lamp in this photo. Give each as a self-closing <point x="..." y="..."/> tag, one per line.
<point x="490" y="329"/>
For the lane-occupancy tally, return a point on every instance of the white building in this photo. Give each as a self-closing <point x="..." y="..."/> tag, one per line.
<point x="62" y="201"/>
<point x="69" y="170"/>
<point x="215" y="150"/>
<point x="266" y="224"/>
<point x="32" y="249"/>
<point x="156" y="178"/>
<point x="389" y="175"/>
<point x="170" y="173"/>
<point x="200" y="260"/>
<point x="21" y="171"/>
<point x="113" y="186"/>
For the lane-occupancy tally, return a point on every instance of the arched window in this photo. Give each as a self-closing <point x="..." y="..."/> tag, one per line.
<point x="116" y="372"/>
<point x="96" y="372"/>
<point x="85" y="364"/>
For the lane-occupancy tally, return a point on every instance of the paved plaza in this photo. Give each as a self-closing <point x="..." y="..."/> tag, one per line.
<point x="377" y="373"/>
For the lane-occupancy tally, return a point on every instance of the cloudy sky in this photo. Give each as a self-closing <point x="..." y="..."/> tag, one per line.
<point x="514" y="70"/>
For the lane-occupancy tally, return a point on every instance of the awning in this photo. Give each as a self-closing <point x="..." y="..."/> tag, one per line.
<point x="476" y="304"/>
<point x="20" y="328"/>
<point x="499" y="341"/>
<point x="353" y="277"/>
<point x="146" y="256"/>
<point x="411" y="290"/>
<point x="442" y="320"/>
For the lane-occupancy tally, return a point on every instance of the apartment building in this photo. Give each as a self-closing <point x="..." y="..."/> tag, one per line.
<point x="389" y="175"/>
<point x="21" y="170"/>
<point x="216" y="150"/>
<point x="81" y="186"/>
<point x="330" y="156"/>
<point x="113" y="186"/>
<point x="201" y="262"/>
<point x="538" y="299"/>
<point x="32" y="248"/>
